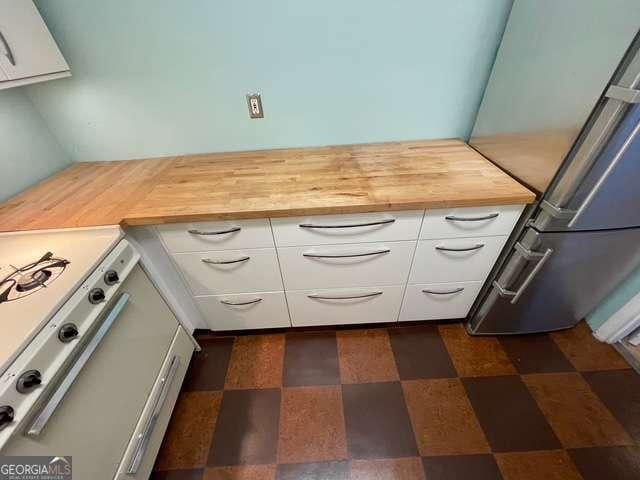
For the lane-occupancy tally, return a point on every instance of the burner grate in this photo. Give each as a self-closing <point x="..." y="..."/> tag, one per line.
<point x="29" y="279"/>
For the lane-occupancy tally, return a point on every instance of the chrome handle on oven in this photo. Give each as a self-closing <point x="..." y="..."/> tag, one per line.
<point x="345" y="297"/>
<point x="596" y="188"/>
<point x="527" y="255"/>
<point x="454" y="218"/>
<point x="8" y="52"/>
<point x="195" y="231"/>
<point x="477" y="246"/>
<point x="142" y="442"/>
<point x="448" y="292"/>
<point x="350" y="225"/>
<point x="52" y="404"/>
<point x="346" y="255"/>
<point x="248" y="302"/>
<point x="225" y="262"/>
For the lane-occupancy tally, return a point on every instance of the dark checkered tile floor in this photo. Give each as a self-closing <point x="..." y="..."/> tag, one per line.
<point x="421" y="402"/>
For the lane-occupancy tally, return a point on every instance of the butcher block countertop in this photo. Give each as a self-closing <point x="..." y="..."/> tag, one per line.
<point x="267" y="183"/>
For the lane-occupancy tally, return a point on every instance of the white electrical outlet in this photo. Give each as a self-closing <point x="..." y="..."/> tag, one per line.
<point x="255" y="105"/>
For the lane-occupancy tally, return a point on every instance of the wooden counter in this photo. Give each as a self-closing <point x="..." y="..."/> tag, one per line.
<point x="268" y="183"/>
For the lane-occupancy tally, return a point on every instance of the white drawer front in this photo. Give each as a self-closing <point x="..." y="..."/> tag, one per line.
<point x="350" y="265"/>
<point x="470" y="221"/>
<point x="455" y="260"/>
<point x="260" y="310"/>
<point x="328" y="229"/>
<point x="230" y="271"/>
<point x="219" y="235"/>
<point x="439" y="301"/>
<point x="376" y="304"/>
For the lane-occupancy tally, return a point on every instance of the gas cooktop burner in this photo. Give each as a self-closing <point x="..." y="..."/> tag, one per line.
<point x="32" y="277"/>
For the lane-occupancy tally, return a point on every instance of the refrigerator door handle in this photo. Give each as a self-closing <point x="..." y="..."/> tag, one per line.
<point x="528" y="255"/>
<point x="596" y="188"/>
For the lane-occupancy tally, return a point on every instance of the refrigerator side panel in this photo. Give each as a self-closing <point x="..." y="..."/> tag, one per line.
<point x="557" y="291"/>
<point x="553" y="65"/>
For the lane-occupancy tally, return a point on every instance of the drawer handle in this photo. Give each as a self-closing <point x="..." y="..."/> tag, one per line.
<point x="195" y="231"/>
<point x="142" y="442"/>
<point x="8" y="52"/>
<point x="350" y="225"/>
<point x="342" y="297"/>
<point x="225" y="262"/>
<point x="50" y="407"/>
<point x="345" y="255"/>
<point x="448" y="292"/>
<point x="477" y="246"/>
<point x="455" y="218"/>
<point x="248" y="302"/>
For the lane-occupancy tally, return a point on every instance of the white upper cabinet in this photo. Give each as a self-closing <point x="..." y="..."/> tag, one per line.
<point x="28" y="52"/>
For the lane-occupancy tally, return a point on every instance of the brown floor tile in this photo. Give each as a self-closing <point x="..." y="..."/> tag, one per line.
<point x="535" y="354"/>
<point x="607" y="463"/>
<point x="509" y="415"/>
<point x="420" y="353"/>
<point x="365" y="356"/>
<point x="377" y="421"/>
<point x="547" y="465"/>
<point x="443" y="419"/>
<point x="475" y="356"/>
<point x="256" y="362"/>
<point x="314" y="471"/>
<point x="247" y="428"/>
<point x="188" y="436"/>
<point x="390" y="469"/>
<point x="585" y="352"/>
<point x="620" y="392"/>
<point x="575" y="413"/>
<point x="311" y="425"/>
<point x="248" y="472"/>
<point x="461" y="467"/>
<point x="177" y="475"/>
<point x="311" y="359"/>
<point x="209" y="366"/>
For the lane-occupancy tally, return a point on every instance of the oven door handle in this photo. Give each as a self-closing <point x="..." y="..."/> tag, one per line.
<point x="143" y="439"/>
<point x="50" y="407"/>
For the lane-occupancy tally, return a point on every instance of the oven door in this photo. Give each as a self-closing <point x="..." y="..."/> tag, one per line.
<point x="91" y="408"/>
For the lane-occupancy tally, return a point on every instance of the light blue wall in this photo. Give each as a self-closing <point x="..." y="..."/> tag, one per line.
<point x="29" y="151"/>
<point x="621" y="295"/>
<point x="160" y="77"/>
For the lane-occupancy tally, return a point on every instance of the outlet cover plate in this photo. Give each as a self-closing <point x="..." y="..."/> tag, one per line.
<point x="254" y="103"/>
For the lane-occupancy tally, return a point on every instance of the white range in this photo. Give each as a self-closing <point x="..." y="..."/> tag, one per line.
<point x="91" y="356"/>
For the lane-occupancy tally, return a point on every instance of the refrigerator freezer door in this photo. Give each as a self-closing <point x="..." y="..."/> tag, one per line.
<point x="554" y="63"/>
<point x="538" y="293"/>
<point x="609" y="195"/>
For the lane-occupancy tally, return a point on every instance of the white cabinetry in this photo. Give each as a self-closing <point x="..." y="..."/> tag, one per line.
<point x="28" y="52"/>
<point x="339" y="269"/>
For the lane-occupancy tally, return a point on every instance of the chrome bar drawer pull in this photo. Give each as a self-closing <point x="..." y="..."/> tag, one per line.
<point x="448" y="292"/>
<point x="345" y="297"/>
<point x="50" y="407"/>
<point x="346" y="255"/>
<point x="195" y="231"/>
<point x="455" y="218"/>
<point x="225" y="262"/>
<point x="8" y="53"/>
<point x="144" y="438"/>
<point x="248" y="302"/>
<point x="350" y="225"/>
<point x="477" y="246"/>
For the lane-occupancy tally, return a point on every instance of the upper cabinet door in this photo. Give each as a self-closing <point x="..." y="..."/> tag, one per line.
<point x="27" y="49"/>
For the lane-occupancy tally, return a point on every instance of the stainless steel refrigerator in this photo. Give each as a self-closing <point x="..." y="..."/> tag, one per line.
<point x="561" y="113"/>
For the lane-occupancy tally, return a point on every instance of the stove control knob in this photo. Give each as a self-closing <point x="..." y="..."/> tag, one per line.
<point x="28" y="381"/>
<point x="111" y="277"/>
<point x="96" y="295"/>
<point x="67" y="332"/>
<point x="6" y="416"/>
